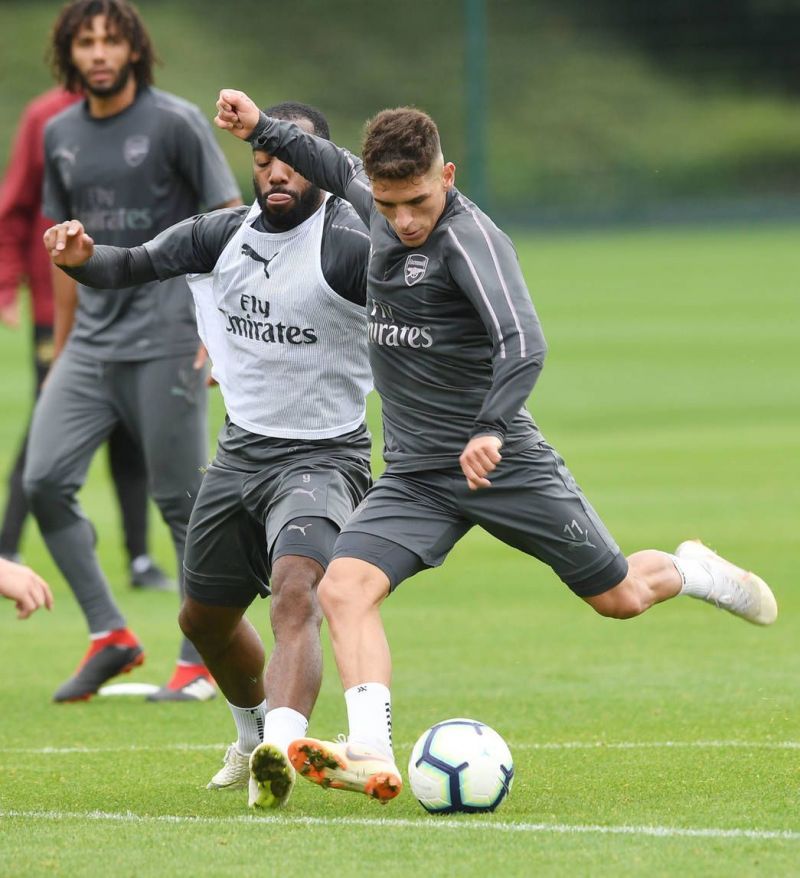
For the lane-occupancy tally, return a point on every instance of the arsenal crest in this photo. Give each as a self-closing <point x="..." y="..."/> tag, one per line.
<point x="416" y="265"/>
<point x="135" y="149"/>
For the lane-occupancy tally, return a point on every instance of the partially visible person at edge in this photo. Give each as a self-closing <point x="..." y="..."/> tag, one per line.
<point x="455" y="350"/>
<point x="279" y="290"/>
<point x="27" y="589"/>
<point x="22" y="259"/>
<point x="128" y="161"/>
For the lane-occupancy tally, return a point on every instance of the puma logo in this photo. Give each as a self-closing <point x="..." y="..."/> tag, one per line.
<point x="69" y="155"/>
<point x="247" y="250"/>
<point x="577" y="536"/>
<point x="301" y="527"/>
<point x="310" y="492"/>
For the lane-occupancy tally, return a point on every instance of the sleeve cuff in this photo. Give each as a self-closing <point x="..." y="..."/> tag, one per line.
<point x="488" y="431"/>
<point x="258" y="132"/>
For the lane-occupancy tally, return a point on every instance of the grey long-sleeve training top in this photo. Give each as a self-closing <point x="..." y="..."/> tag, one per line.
<point x="455" y="343"/>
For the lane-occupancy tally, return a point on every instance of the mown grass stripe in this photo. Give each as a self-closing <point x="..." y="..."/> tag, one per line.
<point x="526" y="745"/>
<point x="470" y="824"/>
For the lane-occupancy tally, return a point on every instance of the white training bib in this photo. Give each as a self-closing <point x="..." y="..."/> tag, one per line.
<point x="288" y="352"/>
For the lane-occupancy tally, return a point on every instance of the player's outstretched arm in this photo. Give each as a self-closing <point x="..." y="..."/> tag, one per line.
<point x="322" y="162"/>
<point x="68" y="244"/>
<point x="21" y="585"/>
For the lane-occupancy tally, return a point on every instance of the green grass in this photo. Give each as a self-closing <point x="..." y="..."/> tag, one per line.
<point x="671" y="389"/>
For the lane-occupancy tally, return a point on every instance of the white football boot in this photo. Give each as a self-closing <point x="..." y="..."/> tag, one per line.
<point x="271" y="777"/>
<point x="340" y="765"/>
<point x="235" y="771"/>
<point x="738" y="591"/>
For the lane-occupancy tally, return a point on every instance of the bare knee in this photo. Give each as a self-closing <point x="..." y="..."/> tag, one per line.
<point x="294" y="603"/>
<point x="192" y="620"/>
<point x="351" y="586"/>
<point x="624" y="601"/>
<point x="208" y="627"/>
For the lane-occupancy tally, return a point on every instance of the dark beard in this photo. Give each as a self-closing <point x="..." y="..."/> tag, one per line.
<point x="299" y="212"/>
<point x="109" y="91"/>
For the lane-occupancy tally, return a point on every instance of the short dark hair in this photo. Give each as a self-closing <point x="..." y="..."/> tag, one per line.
<point x="120" y="14"/>
<point x="292" y="111"/>
<point x="400" y="143"/>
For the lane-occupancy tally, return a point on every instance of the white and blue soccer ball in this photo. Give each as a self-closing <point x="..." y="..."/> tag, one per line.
<point x="460" y="765"/>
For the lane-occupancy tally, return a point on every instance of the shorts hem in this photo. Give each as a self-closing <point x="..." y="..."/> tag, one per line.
<point x="301" y="552"/>
<point x="394" y="574"/>
<point x="222" y="591"/>
<point x="601" y="580"/>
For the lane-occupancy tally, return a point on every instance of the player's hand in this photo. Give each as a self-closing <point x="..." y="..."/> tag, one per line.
<point x="201" y="361"/>
<point x="68" y="244"/>
<point x="236" y="113"/>
<point x="9" y="314"/>
<point x="480" y="457"/>
<point x="21" y="585"/>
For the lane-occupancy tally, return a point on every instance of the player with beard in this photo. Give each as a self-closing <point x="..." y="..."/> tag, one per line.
<point x="279" y="290"/>
<point x="455" y="348"/>
<point x="22" y="258"/>
<point x="129" y="161"/>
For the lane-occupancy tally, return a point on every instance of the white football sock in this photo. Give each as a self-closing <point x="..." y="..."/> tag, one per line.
<point x="250" y="726"/>
<point x="284" y="725"/>
<point x="697" y="581"/>
<point x="369" y="714"/>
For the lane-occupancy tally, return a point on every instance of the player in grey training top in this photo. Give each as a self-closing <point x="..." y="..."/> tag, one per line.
<point x="279" y="290"/>
<point x="128" y="161"/>
<point x="456" y="348"/>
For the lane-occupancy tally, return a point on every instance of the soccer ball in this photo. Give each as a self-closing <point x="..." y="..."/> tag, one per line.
<point x="460" y="765"/>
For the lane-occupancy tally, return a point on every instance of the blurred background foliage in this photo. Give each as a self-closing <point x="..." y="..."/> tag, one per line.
<point x="601" y="110"/>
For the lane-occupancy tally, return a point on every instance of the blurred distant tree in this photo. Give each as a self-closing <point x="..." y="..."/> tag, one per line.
<point x="752" y="43"/>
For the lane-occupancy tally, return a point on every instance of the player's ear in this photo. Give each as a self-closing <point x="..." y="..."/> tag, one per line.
<point x="448" y="176"/>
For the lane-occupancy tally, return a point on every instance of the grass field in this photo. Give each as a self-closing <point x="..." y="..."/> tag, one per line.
<point x="663" y="746"/>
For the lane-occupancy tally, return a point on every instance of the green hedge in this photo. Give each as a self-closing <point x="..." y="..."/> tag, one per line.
<point x="578" y="119"/>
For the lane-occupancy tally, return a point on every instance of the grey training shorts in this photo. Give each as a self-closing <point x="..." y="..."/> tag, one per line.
<point x="243" y="520"/>
<point x="410" y="521"/>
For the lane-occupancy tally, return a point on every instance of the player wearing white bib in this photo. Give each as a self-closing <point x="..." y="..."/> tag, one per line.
<point x="279" y="290"/>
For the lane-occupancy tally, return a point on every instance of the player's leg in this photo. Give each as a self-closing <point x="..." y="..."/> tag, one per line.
<point x="163" y="405"/>
<point x="225" y="568"/>
<point x="129" y="475"/>
<point x="294" y="671"/>
<point x="650" y="579"/>
<point x="404" y="527"/>
<point x="234" y="654"/>
<point x="351" y="594"/>
<point x="694" y="570"/>
<point x="231" y="649"/>
<point x="535" y="505"/>
<point x="74" y="416"/>
<point x="305" y="500"/>
<point x="654" y="576"/>
<point x="16" y="510"/>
